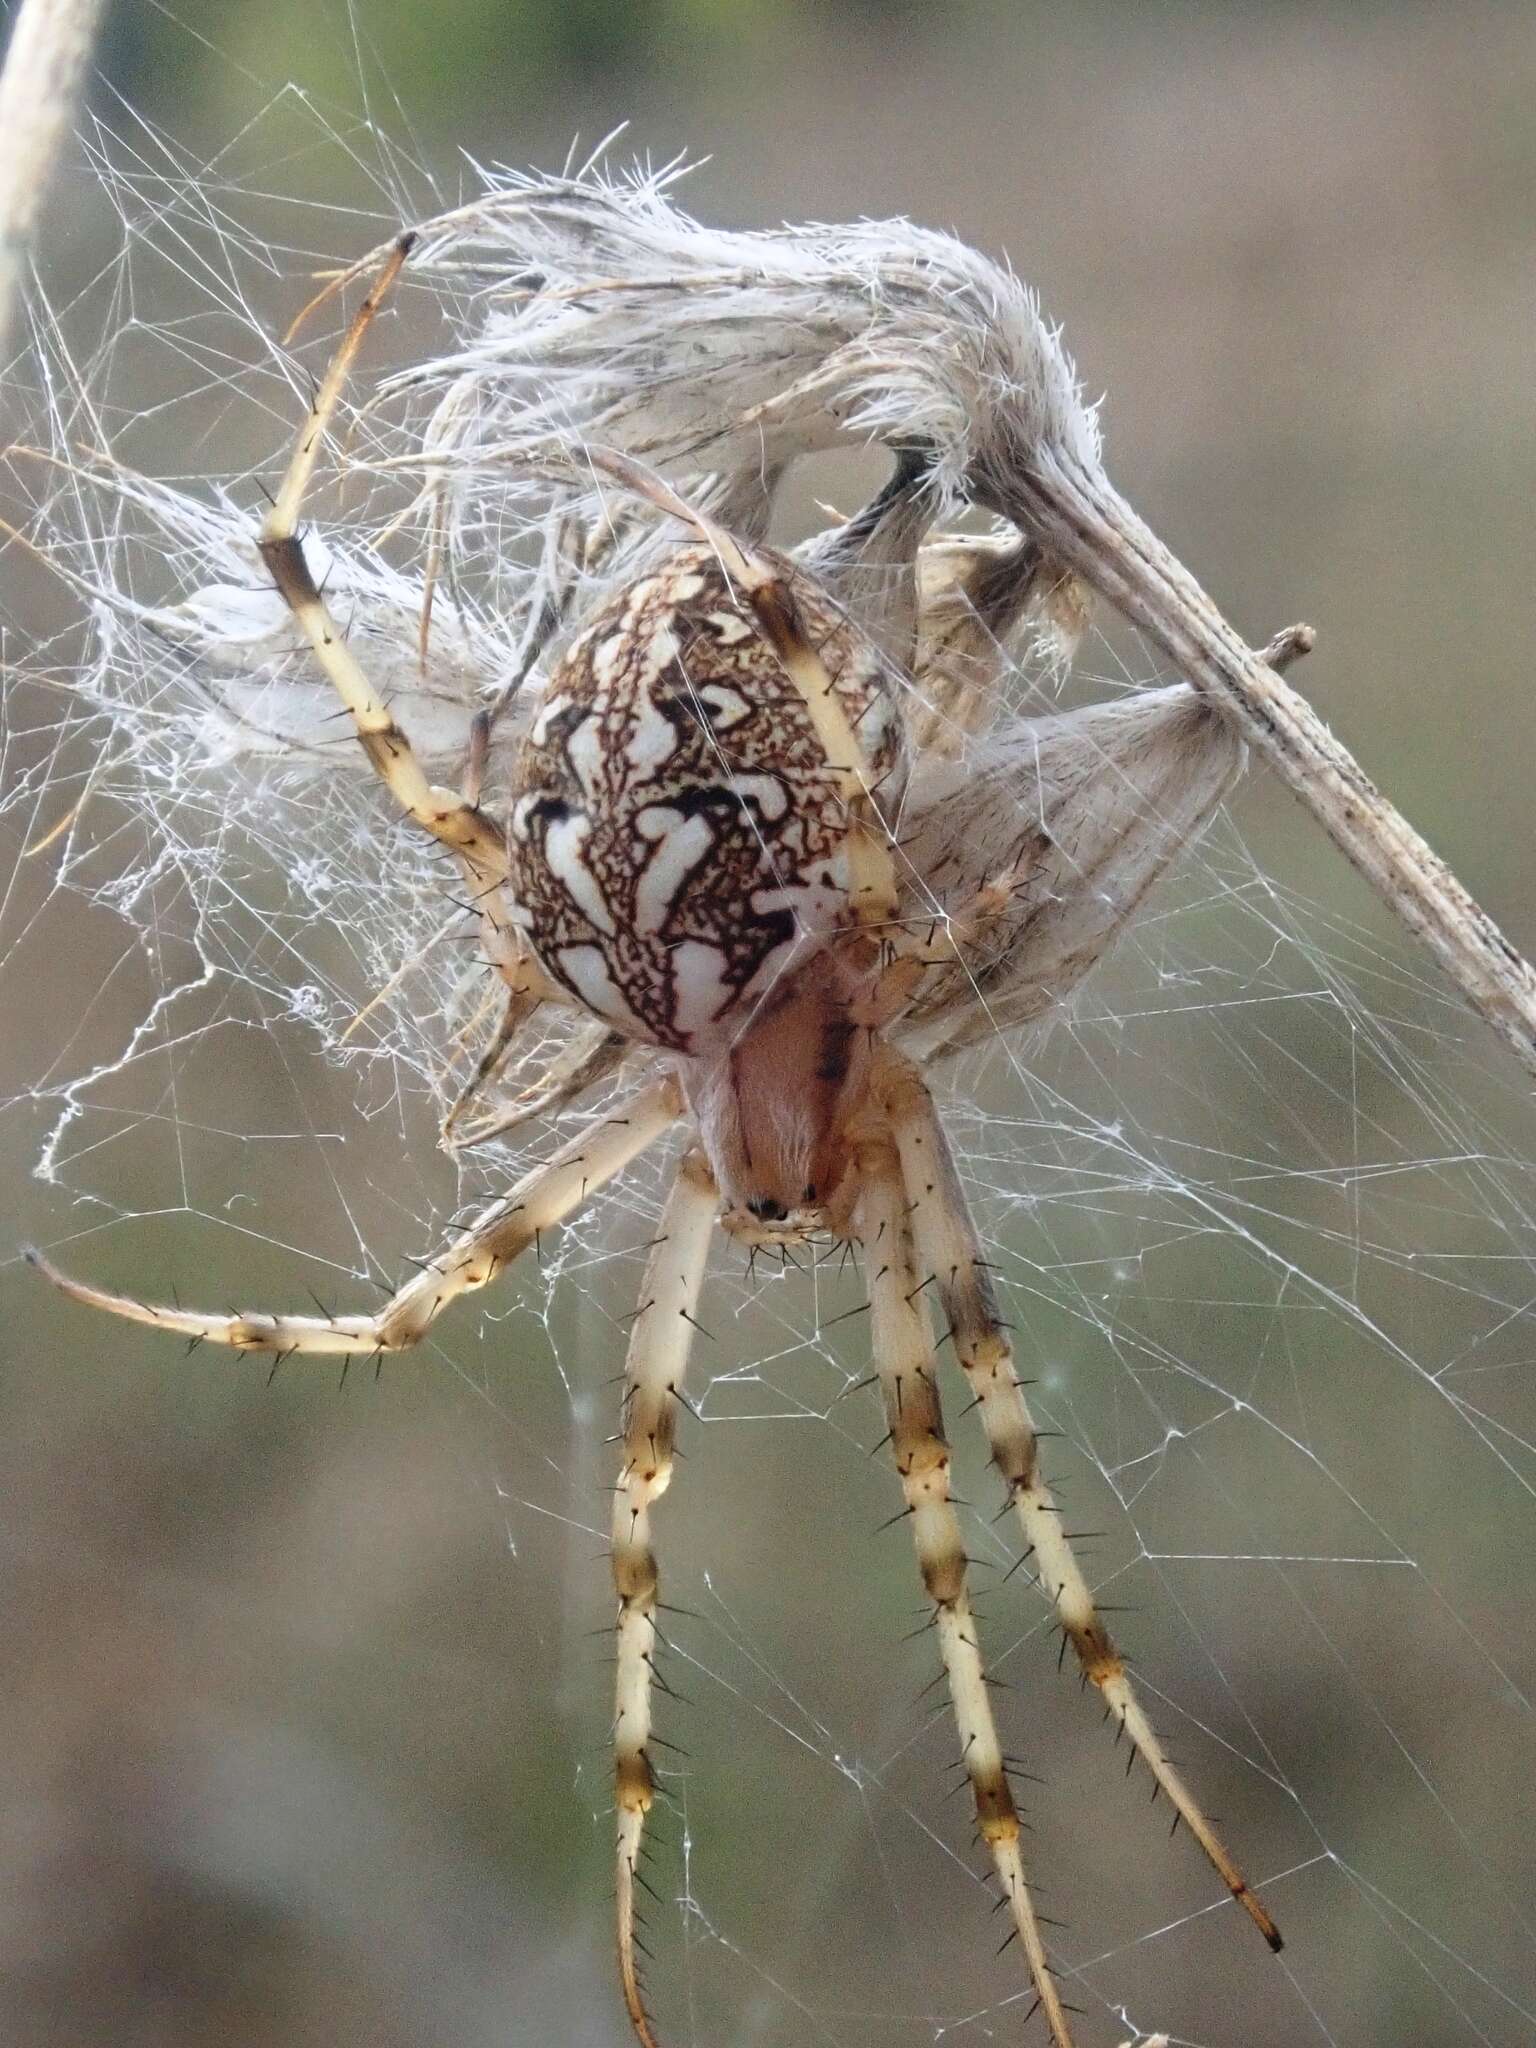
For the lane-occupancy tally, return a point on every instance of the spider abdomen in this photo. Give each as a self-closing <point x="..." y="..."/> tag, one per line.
<point x="677" y="831"/>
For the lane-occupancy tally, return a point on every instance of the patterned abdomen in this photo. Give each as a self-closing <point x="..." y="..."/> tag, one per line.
<point x="677" y="834"/>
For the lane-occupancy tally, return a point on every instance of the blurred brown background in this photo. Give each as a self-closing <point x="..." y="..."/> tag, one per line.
<point x="302" y="1719"/>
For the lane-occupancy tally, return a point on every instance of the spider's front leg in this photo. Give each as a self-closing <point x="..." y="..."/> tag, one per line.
<point x="903" y="1353"/>
<point x="543" y="1198"/>
<point x="653" y="1390"/>
<point x="950" y="1252"/>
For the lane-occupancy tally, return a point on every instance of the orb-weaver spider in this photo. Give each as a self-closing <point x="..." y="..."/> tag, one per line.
<point x="764" y="827"/>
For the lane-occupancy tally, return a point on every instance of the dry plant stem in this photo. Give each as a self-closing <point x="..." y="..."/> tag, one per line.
<point x="949" y="1250"/>
<point x="903" y="1353"/>
<point x="1082" y="518"/>
<point x="45" y="61"/>
<point x="543" y="1198"/>
<point x="658" y="1358"/>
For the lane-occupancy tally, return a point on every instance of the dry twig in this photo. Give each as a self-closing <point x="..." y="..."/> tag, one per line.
<point x="44" y="63"/>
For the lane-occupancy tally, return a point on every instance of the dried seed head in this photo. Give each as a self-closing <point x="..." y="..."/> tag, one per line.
<point x="617" y="320"/>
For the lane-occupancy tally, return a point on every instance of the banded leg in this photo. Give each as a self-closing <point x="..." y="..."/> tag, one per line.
<point x="948" y="1249"/>
<point x="442" y="812"/>
<point x="593" y="1052"/>
<point x="524" y="995"/>
<point x="451" y="817"/>
<point x="872" y="888"/>
<point x="903" y="1351"/>
<point x="542" y="1198"/>
<point x="653" y="1385"/>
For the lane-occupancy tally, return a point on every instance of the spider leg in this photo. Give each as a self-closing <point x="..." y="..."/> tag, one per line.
<point x="524" y="995"/>
<point x="594" y="1052"/>
<point x="977" y="593"/>
<point x="872" y="891"/>
<point x="948" y="1247"/>
<point x="903" y="1351"/>
<point x="542" y="1198"/>
<point x="442" y="812"/>
<point x="653" y="1383"/>
<point x="457" y="823"/>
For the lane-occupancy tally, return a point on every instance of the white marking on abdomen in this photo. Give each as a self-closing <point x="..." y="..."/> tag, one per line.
<point x="661" y="650"/>
<point x="584" y="751"/>
<point x="610" y="658"/>
<point x="653" y="740"/>
<point x="564" y="845"/>
<point x="727" y="707"/>
<point x="549" y="711"/>
<point x="731" y="627"/>
<point x="766" y="791"/>
<point x="700" y="988"/>
<point x="681" y="843"/>
<point x="587" y="971"/>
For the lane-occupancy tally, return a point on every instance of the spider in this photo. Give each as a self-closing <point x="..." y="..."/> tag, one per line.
<point x="723" y="844"/>
<point x="763" y="830"/>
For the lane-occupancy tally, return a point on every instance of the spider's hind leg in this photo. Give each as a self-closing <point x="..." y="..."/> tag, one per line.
<point x="451" y="817"/>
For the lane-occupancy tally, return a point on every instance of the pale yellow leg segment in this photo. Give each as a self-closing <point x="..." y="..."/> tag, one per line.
<point x="949" y="1251"/>
<point x="658" y="1358"/>
<point x="542" y="1198"/>
<point x="593" y="1052"/>
<point x="450" y="817"/>
<point x="441" y="811"/>
<point x="903" y="1353"/>
<point x="872" y="893"/>
<point x="524" y="995"/>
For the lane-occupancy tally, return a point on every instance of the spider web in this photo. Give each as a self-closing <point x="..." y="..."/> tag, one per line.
<point x="1261" y="1204"/>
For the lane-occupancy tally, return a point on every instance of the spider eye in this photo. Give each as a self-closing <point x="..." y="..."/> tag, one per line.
<point x="767" y="1210"/>
<point x="808" y="1192"/>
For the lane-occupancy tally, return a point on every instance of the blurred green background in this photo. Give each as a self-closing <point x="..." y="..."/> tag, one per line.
<point x="303" y="1720"/>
